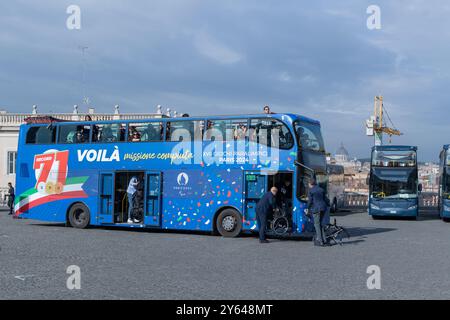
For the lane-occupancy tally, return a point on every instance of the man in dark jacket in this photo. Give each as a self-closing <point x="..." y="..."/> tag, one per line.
<point x="11" y="196"/>
<point x="265" y="206"/>
<point x="318" y="205"/>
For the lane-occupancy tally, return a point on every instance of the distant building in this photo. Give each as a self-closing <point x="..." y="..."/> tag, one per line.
<point x="9" y="134"/>
<point x="429" y="176"/>
<point x="341" y="155"/>
<point x="356" y="171"/>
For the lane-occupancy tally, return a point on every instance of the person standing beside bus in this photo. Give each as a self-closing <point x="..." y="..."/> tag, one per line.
<point x="265" y="206"/>
<point x="11" y="197"/>
<point x="318" y="205"/>
<point x="131" y="193"/>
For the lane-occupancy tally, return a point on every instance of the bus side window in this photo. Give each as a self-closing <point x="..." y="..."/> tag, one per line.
<point x="220" y="130"/>
<point x="271" y="132"/>
<point x="145" y="132"/>
<point x="183" y="130"/>
<point x="41" y="135"/>
<point x="150" y="131"/>
<point x="106" y="133"/>
<point x="74" y="133"/>
<point x="133" y="134"/>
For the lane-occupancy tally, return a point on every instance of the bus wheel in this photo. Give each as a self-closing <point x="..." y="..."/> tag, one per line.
<point x="446" y="219"/>
<point x="229" y="223"/>
<point x="79" y="216"/>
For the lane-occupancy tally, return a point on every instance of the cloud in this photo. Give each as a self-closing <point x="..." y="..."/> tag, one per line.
<point x="215" y="50"/>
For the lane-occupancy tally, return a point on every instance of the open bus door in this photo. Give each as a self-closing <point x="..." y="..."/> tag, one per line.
<point x="255" y="187"/>
<point x="152" y="202"/>
<point x="106" y="195"/>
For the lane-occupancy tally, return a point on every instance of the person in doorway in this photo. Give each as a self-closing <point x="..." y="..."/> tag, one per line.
<point x="284" y="196"/>
<point x="138" y="203"/>
<point x="11" y="196"/>
<point x="318" y="204"/>
<point x="131" y="193"/>
<point x="264" y="207"/>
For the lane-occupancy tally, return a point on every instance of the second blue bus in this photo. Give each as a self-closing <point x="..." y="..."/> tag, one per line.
<point x="393" y="182"/>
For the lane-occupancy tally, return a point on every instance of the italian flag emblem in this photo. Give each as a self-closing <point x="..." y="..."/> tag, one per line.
<point x="33" y="198"/>
<point x="52" y="183"/>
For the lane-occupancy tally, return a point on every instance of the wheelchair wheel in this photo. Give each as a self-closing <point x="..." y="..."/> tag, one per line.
<point x="280" y="225"/>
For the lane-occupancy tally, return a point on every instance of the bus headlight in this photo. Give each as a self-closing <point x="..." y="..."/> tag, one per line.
<point x="374" y="207"/>
<point x="413" y="207"/>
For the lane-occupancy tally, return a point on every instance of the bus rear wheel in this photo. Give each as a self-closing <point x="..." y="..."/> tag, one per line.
<point x="79" y="216"/>
<point x="229" y="223"/>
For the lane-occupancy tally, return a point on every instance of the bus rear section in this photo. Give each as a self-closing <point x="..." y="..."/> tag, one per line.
<point x="444" y="182"/>
<point x="393" y="182"/>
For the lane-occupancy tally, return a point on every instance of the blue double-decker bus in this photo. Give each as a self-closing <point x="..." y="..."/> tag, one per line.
<point x="193" y="173"/>
<point x="393" y="182"/>
<point x="444" y="184"/>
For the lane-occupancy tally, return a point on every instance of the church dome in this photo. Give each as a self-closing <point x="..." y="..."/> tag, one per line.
<point x="341" y="151"/>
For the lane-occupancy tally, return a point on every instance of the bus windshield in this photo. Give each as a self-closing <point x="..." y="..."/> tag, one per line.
<point x="309" y="136"/>
<point x="399" y="183"/>
<point x="393" y="158"/>
<point x="446" y="184"/>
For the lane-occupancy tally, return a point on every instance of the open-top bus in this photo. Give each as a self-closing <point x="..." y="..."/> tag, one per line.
<point x="444" y="184"/>
<point x="393" y="182"/>
<point x="197" y="173"/>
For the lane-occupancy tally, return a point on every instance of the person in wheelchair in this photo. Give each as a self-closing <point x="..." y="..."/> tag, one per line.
<point x="284" y="196"/>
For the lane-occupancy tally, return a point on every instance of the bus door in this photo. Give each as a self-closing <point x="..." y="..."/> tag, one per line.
<point x="255" y="187"/>
<point x="152" y="207"/>
<point x="105" y="212"/>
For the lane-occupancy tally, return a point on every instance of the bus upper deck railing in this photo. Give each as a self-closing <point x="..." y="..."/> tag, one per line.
<point x="16" y="119"/>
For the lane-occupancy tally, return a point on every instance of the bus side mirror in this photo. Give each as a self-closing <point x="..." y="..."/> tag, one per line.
<point x="368" y="180"/>
<point x="420" y="187"/>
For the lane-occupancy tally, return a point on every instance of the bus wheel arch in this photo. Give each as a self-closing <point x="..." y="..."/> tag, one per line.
<point x="228" y="222"/>
<point x="78" y="215"/>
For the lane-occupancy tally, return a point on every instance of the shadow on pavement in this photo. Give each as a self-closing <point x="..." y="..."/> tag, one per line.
<point x="347" y="212"/>
<point x="359" y="232"/>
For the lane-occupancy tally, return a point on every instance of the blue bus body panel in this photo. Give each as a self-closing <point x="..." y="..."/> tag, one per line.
<point x="187" y="203"/>
<point x="394" y="208"/>
<point x="445" y="209"/>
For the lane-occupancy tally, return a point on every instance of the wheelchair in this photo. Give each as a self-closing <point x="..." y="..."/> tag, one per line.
<point x="280" y="224"/>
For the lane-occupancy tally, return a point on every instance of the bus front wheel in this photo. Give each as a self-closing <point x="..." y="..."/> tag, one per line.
<point x="79" y="216"/>
<point x="229" y="223"/>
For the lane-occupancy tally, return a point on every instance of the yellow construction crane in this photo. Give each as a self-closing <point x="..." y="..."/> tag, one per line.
<point x="376" y="125"/>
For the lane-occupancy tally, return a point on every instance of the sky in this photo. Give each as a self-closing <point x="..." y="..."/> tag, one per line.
<point x="314" y="58"/>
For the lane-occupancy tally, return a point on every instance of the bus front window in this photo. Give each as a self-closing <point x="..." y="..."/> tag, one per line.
<point x="394" y="184"/>
<point x="394" y="158"/>
<point x="309" y="136"/>
<point x="446" y="183"/>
